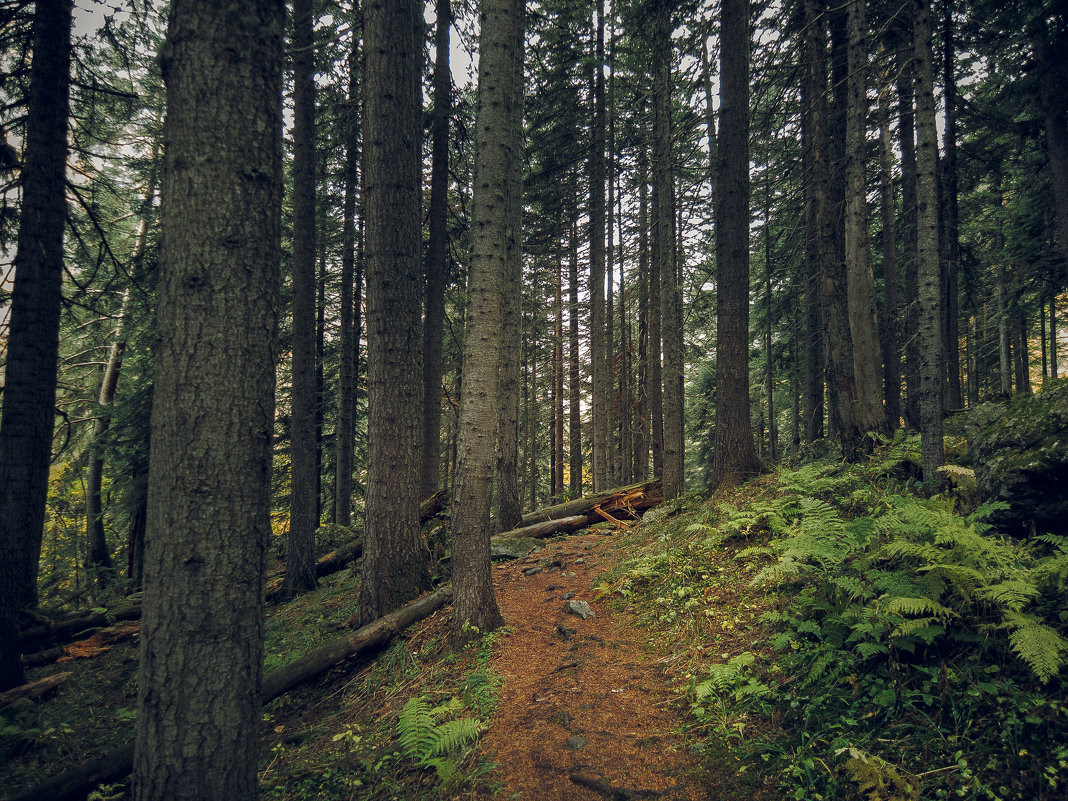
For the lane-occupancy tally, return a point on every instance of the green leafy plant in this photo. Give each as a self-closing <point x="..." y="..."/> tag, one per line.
<point x="433" y="738"/>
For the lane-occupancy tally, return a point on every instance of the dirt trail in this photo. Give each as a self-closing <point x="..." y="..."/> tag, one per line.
<point x="582" y="699"/>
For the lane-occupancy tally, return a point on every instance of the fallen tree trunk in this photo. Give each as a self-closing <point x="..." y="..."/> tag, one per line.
<point x="67" y="628"/>
<point x="432" y="505"/>
<point x="35" y="689"/>
<point x="114" y="766"/>
<point x="98" y="643"/>
<point x="547" y="528"/>
<point x="324" y="566"/>
<point x="632" y="498"/>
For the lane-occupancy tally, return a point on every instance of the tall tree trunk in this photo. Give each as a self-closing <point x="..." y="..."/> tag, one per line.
<point x="437" y="253"/>
<point x="509" y="509"/>
<point x="643" y="413"/>
<point x="557" y="468"/>
<point x="813" y="109"/>
<point x="889" y="327"/>
<point x="1023" y="355"/>
<point x="832" y="269"/>
<point x="28" y="412"/>
<point x="349" y="335"/>
<point x="574" y="380"/>
<point x="598" y="355"/>
<point x="769" y="362"/>
<point x="951" y="216"/>
<point x="863" y="328"/>
<point x="1055" y="127"/>
<point x="493" y="244"/>
<point x="394" y="557"/>
<point x="1004" y="353"/>
<point x="209" y="476"/>
<point x="735" y="456"/>
<point x="906" y="133"/>
<point x="664" y="262"/>
<point x="1053" y="335"/>
<point x="303" y="503"/>
<point x="929" y="330"/>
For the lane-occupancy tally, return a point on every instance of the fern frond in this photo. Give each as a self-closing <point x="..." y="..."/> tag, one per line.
<point x="454" y="735"/>
<point x="1013" y="594"/>
<point x="920" y="606"/>
<point x="1042" y="648"/>
<point x="415" y="729"/>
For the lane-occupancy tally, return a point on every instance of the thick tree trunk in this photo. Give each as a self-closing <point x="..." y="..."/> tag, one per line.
<point x="33" y="327"/>
<point x="906" y="133"/>
<point x="304" y="483"/>
<point x="557" y="471"/>
<point x="509" y="508"/>
<point x="929" y="331"/>
<point x="75" y="784"/>
<point x="951" y="217"/>
<point x="346" y="400"/>
<point x="213" y="408"/>
<point x="664" y="261"/>
<point x="643" y="418"/>
<point x="863" y="328"/>
<point x="832" y="270"/>
<point x="437" y="252"/>
<point x="735" y="456"/>
<point x="395" y="560"/>
<point x="493" y="245"/>
<point x="654" y="385"/>
<point x="1053" y="335"/>
<point x="813" y="109"/>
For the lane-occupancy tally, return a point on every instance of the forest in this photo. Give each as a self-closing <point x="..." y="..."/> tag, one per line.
<point x="335" y="337"/>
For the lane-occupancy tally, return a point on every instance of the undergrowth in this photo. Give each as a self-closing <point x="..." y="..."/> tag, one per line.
<point x="908" y="651"/>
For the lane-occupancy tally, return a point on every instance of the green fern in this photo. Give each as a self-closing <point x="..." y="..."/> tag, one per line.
<point x="1042" y="648"/>
<point x="433" y="744"/>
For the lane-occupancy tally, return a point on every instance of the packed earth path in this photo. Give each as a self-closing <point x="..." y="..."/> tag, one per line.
<point x="585" y="709"/>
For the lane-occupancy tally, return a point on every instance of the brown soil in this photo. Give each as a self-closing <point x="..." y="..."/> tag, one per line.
<point x="582" y="699"/>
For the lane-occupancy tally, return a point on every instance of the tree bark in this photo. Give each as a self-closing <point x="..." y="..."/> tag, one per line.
<point x="493" y="244"/>
<point x="643" y="415"/>
<point x="598" y="354"/>
<point x="557" y="471"/>
<point x="664" y="261"/>
<point x="28" y="411"/>
<point x="437" y="251"/>
<point x="929" y="331"/>
<point x="951" y="216"/>
<point x="1053" y="335"/>
<point x="636" y="497"/>
<point x="832" y="270"/>
<point x="213" y="409"/>
<point x="889" y="327"/>
<point x="303" y="499"/>
<point x="907" y="130"/>
<point x="349" y="334"/>
<point x="574" y="379"/>
<point x="812" y="93"/>
<point x="395" y="559"/>
<point x="863" y="328"/>
<point x="546" y="528"/>
<point x="735" y="456"/>
<point x="75" y="784"/>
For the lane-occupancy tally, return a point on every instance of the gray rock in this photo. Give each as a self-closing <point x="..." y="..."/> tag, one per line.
<point x="567" y="596"/>
<point x="513" y="547"/>
<point x="579" y="609"/>
<point x="1020" y="454"/>
<point x="563" y="632"/>
<point x="530" y="571"/>
<point x="575" y="742"/>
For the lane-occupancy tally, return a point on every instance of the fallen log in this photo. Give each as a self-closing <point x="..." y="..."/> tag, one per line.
<point x="65" y="629"/>
<point x="114" y="766"/>
<point x="546" y="528"/>
<point x="34" y="689"/>
<point x="632" y="498"/>
<point x="324" y="565"/>
<point x="433" y="505"/>
<point x="96" y="644"/>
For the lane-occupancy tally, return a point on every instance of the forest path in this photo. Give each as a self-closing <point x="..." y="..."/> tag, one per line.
<point x="582" y="699"/>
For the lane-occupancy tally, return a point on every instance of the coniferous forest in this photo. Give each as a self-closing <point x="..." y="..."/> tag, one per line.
<point x="337" y="337"/>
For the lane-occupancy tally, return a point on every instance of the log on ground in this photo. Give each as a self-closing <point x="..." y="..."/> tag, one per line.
<point x="547" y="528"/>
<point x="114" y="766"/>
<point x="632" y="498"/>
<point x="67" y="628"/>
<point x="34" y="689"/>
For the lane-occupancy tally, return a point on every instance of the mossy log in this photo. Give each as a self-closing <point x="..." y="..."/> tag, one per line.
<point x="34" y="689"/>
<point x="114" y="766"/>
